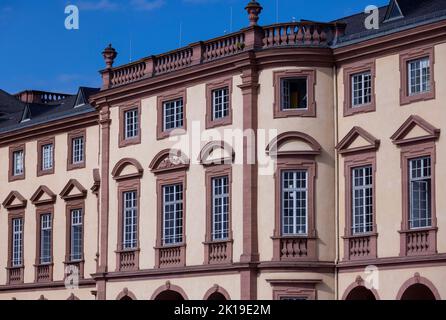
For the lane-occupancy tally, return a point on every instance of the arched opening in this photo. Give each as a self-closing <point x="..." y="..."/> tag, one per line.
<point x="126" y="298"/>
<point x="169" y="295"/>
<point x="360" y="293"/>
<point x="418" y="291"/>
<point x="217" y="296"/>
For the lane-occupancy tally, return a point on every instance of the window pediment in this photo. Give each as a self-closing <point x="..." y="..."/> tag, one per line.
<point x="292" y="144"/>
<point x="169" y="160"/>
<point x="73" y="190"/>
<point x="215" y="153"/>
<point x="126" y="169"/>
<point x="14" y="201"/>
<point x="415" y="129"/>
<point x="357" y="140"/>
<point x="43" y="195"/>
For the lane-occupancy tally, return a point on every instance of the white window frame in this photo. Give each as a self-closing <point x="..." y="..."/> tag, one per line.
<point x="423" y="178"/>
<point x="173" y="214"/>
<point x="17" y="243"/>
<point x="361" y="89"/>
<point x="78" y="145"/>
<point x="418" y="76"/>
<point x="177" y="121"/>
<point x="18" y="162"/>
<point x="47" y="157"/>
<point x="45" y="238"/>
<point x="130" y="220"/>
<point x="131" y="124"/>
<point x="76" y="234"/>
<point x="362" y="191"/>
<point x="220" y="103"/>
<point x="220" y="208"/>
<point x="297" y="220"/>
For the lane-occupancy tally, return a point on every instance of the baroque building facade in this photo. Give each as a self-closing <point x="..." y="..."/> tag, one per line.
<point x="300" y="160"/>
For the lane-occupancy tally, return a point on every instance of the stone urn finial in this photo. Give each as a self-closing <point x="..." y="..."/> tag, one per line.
<point x="109" y="55"/>
<point x="254" y="9"/>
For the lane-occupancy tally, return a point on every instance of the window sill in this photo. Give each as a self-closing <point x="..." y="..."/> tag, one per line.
<point x="129" y="142"/>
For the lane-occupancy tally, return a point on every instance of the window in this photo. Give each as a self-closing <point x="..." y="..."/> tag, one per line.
<point x="172" y="114"/>
<point x="45" y="238"/>
<point x="130" y="223"/>
<point x="18" y="160"/>
<point x="361" y="89"/>
<point x="420" y="193"/>
<point x="294" y="202"/>
<point x="362" y="197"/>
<point x="47" y="157"/>
<point x="17" y="242"/>
<point x="78" y="150"/>
<point x="220" y="208"/>
<point x="294" y="94"/>
<point x="418" y="76"/>
<point x="76" y="245"/>
<point x="131" y="124"/>
<point x="220" y="103"/>
<point x="172" y="214"/>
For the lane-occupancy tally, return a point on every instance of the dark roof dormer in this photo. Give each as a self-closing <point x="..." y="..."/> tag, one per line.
<point x="393" y="11"/>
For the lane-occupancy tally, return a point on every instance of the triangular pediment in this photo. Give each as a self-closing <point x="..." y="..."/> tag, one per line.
<point x="43" y="195"/>
<point x="415" y="129"/>
<point x="73" y="190"/>
<point x="169" y="160"/>
<point x="14" y="201"/>
<point x="357" y="140"/>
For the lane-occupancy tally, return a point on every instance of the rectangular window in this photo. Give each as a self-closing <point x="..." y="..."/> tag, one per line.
<point x="76" y="235"/>
<point x="173" y="116"/>
<point x="220" y="208"/>
<point x="418" y="76"/>
<point x="45" y="238"/>
<point x="294" y="202"/>
<point x="78" y="150"/>
<point x="220" y="103"/>
<point x="420" y="193"/>
<point x="47" y="157"/>
<point x="18" y="158"/>
<point x="294" y="93"/>
<point x="362" y="198"/>
<point x="130" y="223"/>
<point x="17" y="242"/>
<point x="172" y="214"/>
<point x="361" y="88"/>
<point x="131" y="124"/>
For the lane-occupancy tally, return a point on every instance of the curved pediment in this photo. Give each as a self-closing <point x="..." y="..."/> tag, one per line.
<point x="292" y="144"/>
<point x="126" y="169"/>
<point x="415" y="129"/>
<point x="215" y="153"/>
<point x="43" y="195"/>
<point x="73" y="190"/>
<point x="169" y="160"/>
<point x="357" y="140"/>
<point x="14" y="200"/>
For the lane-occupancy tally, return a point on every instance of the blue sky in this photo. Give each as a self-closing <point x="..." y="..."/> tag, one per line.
<point x="37" y="52"/>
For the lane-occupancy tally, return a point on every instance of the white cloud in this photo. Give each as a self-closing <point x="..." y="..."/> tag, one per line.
<point x="147" y="5"/>
<point x="102" y="5"/>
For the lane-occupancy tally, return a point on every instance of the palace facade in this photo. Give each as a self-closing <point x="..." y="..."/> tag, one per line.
<point x="300" y="160"/>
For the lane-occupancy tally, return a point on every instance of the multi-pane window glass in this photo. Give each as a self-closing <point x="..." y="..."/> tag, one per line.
<point x="220" y="103"/>
<point x="78" y="150"/>
<point x="420" y="193"/>
<point x="131" y="124"/>
<point x="76" y="235"/>
<point x="17" y="242"/>
<point x="47" y="157"/>
<point x="18" y="158"/>
<point x="294" y="93"/>
<point x="172" y="214"/>
<point x="130" y="223"/>
<point x="361" y="88"/>
<point x="362" y="200"/>
<point x="220" y="208"/>
<point x="45" y="238"/>
<point x="294" y="202"/>
<point x="419" y="76"/>
<point x="173" y="116"/>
